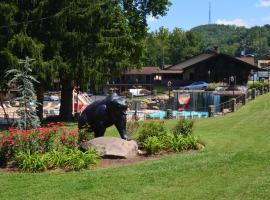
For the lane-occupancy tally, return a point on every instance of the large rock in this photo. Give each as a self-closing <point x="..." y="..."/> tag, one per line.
<point x="112" y="147"/>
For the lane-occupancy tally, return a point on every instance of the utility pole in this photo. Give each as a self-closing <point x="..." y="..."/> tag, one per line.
<point x="210" y="14"/>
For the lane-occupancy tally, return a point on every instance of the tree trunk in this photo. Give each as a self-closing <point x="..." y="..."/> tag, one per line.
<point x="40" y="96"/>
<point x="5" y="113"/>
<point x="66" y="101"/>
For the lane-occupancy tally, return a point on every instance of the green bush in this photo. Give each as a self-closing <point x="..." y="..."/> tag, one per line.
<point x="213" y="86"/>
<point x="192" y="142"/>
<point x="183" y="127"/>
<point x="153" y="145"/>
<point x="175" y="142"/>
<point x="256" y="84"/>
<point x="31" y="162"/>
<point x="85" y="135"/>
<point x="150" y="129"/>
<point x="56" y="159"/>
<point x="78" y="160"/>
<point x="70" y="159"/>
<point x="180" y="142"/>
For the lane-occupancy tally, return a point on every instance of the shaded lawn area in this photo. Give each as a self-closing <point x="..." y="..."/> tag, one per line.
<point x="234" y="165"/>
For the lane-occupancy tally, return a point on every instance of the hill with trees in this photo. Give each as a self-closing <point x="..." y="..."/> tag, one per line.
<point x="233" y="40"/>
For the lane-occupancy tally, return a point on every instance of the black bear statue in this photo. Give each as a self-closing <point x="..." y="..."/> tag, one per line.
<point x="104" y="113"/>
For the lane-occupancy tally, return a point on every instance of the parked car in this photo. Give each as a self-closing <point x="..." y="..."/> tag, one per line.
<point x="200" y="85"/>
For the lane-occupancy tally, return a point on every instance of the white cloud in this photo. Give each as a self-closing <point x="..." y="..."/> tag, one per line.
<point x="263" y="4"/>
<point x="151" y="19"/>
<point x="236" y="22"/>
<point x="266" y="19"/>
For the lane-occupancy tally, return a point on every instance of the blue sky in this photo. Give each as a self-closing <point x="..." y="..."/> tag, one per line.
<point x="187" y="14"/>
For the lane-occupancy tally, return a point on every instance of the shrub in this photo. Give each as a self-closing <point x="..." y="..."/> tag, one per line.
<point x="28" y="162"/>
<point x="71" y="159"/>
<point x="153" y="145"/>
<point x="181" y="142"/>
<point x="175" y="142"/>
<point x="150" y="129"/>
<point x="56" y="159"/>
<point x="78" y="160"/>
<point x="256" y="84"/>
<point x="84" y="135"/>
<point x="39" y="139"/>
<point x="70" y="138"/>
<point x="183" y="127"/>
<point x="213" y="86"/>
<point x="6" y="150"/>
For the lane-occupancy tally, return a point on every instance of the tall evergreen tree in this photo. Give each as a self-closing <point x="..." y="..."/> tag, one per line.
<point x="85" y="41"/>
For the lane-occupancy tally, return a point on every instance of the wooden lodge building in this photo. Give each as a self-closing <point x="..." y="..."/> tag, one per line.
<point x="210" y="66"/>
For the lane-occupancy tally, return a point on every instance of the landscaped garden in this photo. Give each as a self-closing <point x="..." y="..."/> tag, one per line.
<point x="234" y="165"/>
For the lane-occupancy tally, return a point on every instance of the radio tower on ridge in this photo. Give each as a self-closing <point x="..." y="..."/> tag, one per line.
<point x="210" y="17"/>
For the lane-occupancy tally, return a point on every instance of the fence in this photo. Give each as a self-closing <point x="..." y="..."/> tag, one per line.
<point x="235" y="103"/>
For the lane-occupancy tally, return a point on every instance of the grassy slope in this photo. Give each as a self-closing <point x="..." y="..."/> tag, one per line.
<point x="234" y="165"/>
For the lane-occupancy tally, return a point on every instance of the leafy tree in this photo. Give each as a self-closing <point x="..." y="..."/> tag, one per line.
<point x="165" y="47"/>
<point x="82" y="41"/>
<point x="28" y="105"/>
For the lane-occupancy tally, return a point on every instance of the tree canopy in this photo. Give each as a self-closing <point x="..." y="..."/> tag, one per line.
<point x="79" y="42"/>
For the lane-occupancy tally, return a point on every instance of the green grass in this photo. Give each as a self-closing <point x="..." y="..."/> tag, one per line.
<point x="234" y="165"/>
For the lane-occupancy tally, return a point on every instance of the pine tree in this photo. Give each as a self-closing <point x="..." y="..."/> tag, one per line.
<point x="28" y="118"/>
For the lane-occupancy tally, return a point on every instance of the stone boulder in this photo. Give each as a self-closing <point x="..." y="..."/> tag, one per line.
<point x="112" y="147"/>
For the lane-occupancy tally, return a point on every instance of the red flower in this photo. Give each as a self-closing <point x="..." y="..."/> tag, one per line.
<point x="41" y="136"/>
<point x="74" y="132"/>
<point x="63" y="137"/>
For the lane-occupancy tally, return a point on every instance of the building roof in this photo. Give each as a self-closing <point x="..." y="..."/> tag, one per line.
<point x="249" y="61"/>
<point x="151" y="70"/>
<point x="192" y="61"/>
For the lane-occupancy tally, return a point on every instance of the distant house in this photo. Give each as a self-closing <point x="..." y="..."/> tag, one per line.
<point x="213" y="66"/>
<point x="147" y="77"/>
<point x="210" y="66"/>
<point x="264" y="65"/>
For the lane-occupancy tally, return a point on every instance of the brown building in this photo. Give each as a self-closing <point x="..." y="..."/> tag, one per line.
<point x="210" y="66"/>
<point x="147" y="77"/>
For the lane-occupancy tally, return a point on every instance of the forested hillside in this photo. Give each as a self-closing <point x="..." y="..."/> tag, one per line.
<point x="232" y="40"/>
<point x="171" y="47"/>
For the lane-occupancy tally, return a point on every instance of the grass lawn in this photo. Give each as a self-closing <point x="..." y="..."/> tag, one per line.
<point x="234" y="165"/>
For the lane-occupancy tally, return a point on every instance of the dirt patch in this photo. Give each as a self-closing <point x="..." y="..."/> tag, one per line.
<point x="107" y="163"/>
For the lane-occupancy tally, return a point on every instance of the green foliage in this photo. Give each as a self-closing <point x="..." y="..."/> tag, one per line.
<point x="183" y="127"/>
<point x="165" y="47"/>
<point x="150" y="129"/>
<point x="180" y="142"/>
<point x="77" y="160"/>
<point x="56" y="159"/>
<point x="153" y="137"/>
<point x="153" y="145"/>
<point x="213" y="86"/>
<point x="31" y="162"/>
<point x="68" y="159"/>
<point x="28" y="105"/>
<point x="232" y="40"/>
<point x="85" y="135"/>
<point x="256" y="84"/>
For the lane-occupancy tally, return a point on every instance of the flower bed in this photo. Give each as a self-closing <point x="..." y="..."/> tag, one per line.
<point x="38" y="149"/>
